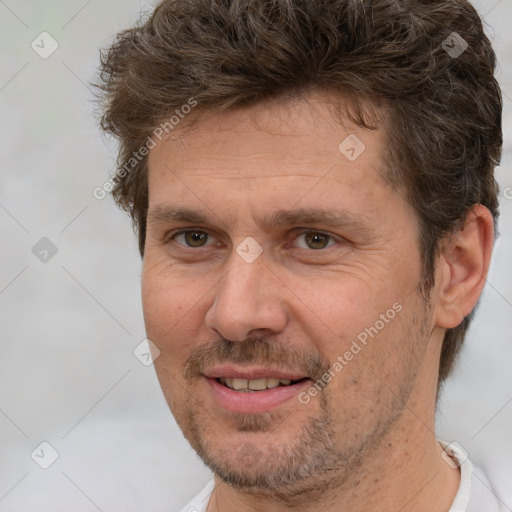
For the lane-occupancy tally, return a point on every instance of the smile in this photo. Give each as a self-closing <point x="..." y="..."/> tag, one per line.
<point x="246" y="385"/>
<point x="253" y="390"/>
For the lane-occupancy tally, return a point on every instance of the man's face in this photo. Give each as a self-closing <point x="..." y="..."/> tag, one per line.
<point x="320" y="292"/>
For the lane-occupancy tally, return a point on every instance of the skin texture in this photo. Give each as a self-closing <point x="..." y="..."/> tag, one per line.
<point x="366" y="440"/>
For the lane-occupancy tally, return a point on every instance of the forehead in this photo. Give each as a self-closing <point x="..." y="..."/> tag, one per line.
<point x="279" y="149"/>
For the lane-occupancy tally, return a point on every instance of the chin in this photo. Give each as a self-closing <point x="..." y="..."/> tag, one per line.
<point x="263" y="454"/>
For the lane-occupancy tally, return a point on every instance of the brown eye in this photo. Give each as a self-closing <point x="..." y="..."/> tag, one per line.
<point x="315" y="240"/>
<point x="192" y="238"/>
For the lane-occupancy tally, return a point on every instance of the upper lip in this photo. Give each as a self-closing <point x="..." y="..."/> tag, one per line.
<point x="251" y="373"/>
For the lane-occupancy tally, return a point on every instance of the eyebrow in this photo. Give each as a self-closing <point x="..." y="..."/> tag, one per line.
<point x="333" y="218"/>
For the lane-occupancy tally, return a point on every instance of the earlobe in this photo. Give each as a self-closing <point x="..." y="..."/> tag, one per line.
<point x="462" y="267"/>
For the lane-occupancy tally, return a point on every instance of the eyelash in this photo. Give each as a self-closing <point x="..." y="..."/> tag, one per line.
<point x="304" y="231"/>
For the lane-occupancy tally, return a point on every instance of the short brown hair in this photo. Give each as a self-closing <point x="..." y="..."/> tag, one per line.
<point x="445" y="105"/>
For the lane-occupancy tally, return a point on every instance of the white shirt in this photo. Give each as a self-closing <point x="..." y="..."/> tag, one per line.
<point x="475" y="494"/>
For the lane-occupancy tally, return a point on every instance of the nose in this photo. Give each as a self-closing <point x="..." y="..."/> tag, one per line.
<point x="249" y="301"/>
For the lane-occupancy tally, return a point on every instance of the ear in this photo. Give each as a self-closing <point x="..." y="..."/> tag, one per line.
<point x="462" y="267"/>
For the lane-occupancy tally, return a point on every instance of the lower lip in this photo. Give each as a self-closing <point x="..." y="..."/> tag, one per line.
<point x="256" y="401"/>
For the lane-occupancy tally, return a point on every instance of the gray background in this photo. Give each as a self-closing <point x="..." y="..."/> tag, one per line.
<point x="68" y="375"/>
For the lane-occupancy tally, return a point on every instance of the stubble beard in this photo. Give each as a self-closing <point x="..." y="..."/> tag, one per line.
<point x="315" y="464"/>
<point x="305" y="470"/>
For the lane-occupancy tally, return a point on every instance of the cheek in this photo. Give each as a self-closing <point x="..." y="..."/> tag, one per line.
<point x="363" y="333"/>
<point x="174" y="312"/>
<point x="163" y="305"/>
<point x="340" y="308"/>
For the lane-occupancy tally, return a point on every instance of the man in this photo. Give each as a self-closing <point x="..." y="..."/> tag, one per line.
<point x="312" y="185"/>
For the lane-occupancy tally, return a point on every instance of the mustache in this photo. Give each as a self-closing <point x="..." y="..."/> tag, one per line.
<point x="255" y="350"/>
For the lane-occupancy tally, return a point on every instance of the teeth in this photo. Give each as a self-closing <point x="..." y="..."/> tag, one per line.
<point x="240" y="384"/>
<point x="272" y="383"/>
<point x="255" y="384"/>
<point x="258" y="384"/>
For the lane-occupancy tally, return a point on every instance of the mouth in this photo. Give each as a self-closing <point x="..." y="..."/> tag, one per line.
<point x="253" y="391"/>
<point x="257" y="385"/>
